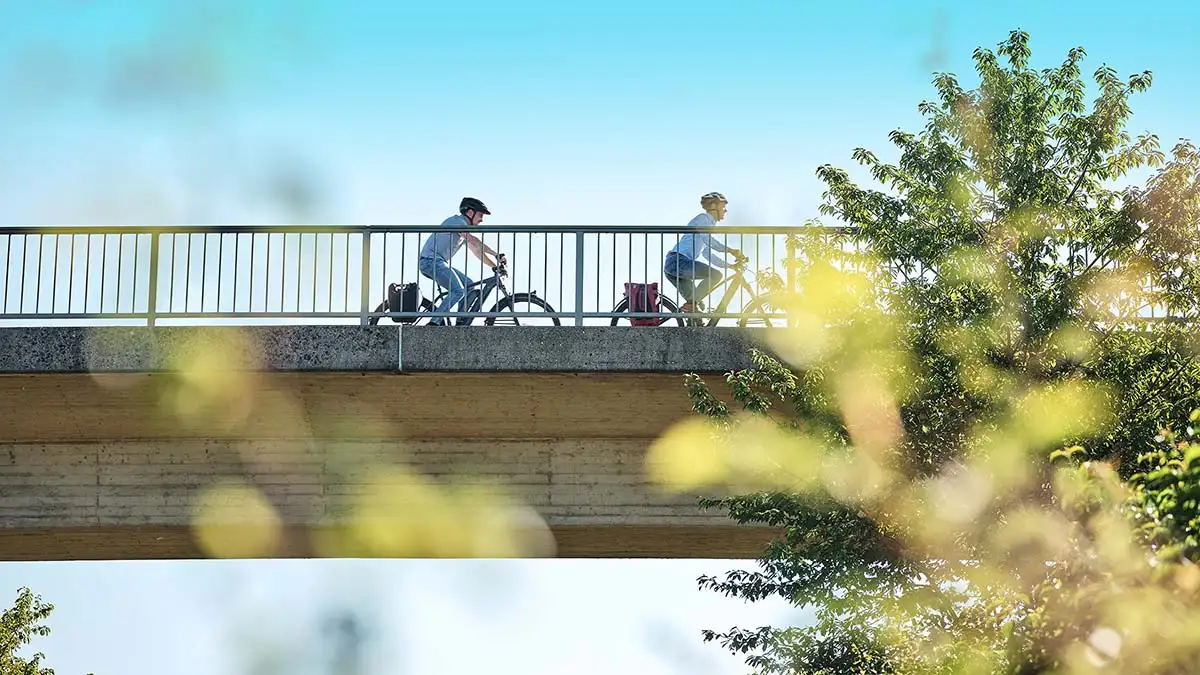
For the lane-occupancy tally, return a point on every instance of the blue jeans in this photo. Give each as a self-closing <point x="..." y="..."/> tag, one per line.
<point x="446" y="277"/>
<point x="694" y="279"/>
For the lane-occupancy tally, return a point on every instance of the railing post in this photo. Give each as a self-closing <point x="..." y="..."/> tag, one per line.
<point x="578" y="278"/>
<point x="152" y="294"/>
<point x="365" y="293"/>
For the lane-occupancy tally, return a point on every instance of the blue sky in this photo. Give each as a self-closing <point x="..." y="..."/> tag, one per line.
<point x="619" y="113"/>
<point x="423" y="617"/>
<point x="608" y="113"/>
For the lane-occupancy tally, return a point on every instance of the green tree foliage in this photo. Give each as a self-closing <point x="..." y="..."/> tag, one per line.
<point x="19" y="624"/>
<point x="962" y="434"/>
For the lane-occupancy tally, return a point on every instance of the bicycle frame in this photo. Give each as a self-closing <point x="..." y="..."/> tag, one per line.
<point x="485" y="286"/>
<point x="732" y="283"/>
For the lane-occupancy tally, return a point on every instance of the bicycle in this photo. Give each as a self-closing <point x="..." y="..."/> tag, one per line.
<point x="475" y="294"/>
<point x="758" y="306"/>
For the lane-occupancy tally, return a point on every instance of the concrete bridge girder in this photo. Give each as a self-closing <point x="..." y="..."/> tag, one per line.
<point x="111" y="438"/>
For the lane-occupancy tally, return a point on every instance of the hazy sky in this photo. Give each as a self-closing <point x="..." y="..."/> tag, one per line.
<point x="618" y="112"/>
<point x="621" y="112"/>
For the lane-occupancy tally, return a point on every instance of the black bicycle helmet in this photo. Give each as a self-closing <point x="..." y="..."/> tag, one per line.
<point x="473" y="204"/>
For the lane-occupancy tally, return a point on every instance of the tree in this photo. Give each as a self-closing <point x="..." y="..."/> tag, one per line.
<point x="963" y="393"/>
<point x="18" y="626"/>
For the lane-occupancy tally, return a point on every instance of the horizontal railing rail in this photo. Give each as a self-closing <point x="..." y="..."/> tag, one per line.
<point x="341" y="274"/>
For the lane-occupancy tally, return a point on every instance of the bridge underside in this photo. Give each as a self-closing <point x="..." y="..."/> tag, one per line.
<point x="194" y="464"/>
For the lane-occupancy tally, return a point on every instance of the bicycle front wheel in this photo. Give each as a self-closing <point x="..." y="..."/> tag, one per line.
<point x="522" y="303"/>
<point x="763" y="312"/>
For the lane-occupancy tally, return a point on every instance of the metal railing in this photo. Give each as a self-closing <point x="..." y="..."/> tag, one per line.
<point x="340" y="274"/>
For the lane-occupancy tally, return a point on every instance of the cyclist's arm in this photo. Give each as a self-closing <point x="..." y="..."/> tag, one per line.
<point x="715" y="247"/>
<point x="480" y="249"/>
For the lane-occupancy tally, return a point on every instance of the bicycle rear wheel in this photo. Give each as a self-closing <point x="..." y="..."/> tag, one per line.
<point x="522" y="302"/>
<point x="426" y="307"/>
<point x="668" y="307"/>
<point x="374" y="320"/>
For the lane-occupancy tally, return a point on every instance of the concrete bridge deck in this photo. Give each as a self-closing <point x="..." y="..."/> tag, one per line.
<point x="111" y="436"/>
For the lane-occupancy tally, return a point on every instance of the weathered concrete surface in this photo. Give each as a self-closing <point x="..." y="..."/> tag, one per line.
<point x="107" y="434"/>
<point x="82" y="407"/>
<point x="166" y="348"/>
<point x="572" y="349"/>
<point x="593" y="496"/>
<point x="166" y="542"/>
<point x="375" y="348"/>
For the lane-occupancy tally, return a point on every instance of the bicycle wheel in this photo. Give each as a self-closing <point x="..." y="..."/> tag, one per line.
<point x="426" y="306"/>
<point x="374" y="320"/>
<point x="522" y="302"/>
<point x="762" y="312"/>
<point x="668" y="307"/>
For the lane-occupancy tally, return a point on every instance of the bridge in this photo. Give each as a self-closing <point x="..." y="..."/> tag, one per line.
<point x="244" y="391"/>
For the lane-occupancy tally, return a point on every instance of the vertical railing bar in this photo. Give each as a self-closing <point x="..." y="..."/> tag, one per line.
<point x="283" y="273"/>
<point x="346" y="277"/>
<point x="599" y="255"/>
<point x="404" y="265"/>
<point x="329" y="278"/>
<point x="24" y="270"/>
<point x="204" y="269"/>
<point x="616" y="237"/>
<point x="87" y="270"/>
<point x="187" y="279"/>
<point x="561" y="268"/>
<point x="579" y="277"/>
<point x="253" y="245"/>
<point x="70" y="269"/>
<point x="220" y="265"/>
<point x="54" y="274"/>
<point x="120" y="253"/>
<point x="171" y="282"/>
<point x="364" y="299"/>
<point x="299" y="267"/>
<point x="645" y="258"/>
<point x="316" y="265"/>
<point x="662" y="255"/>
<point x="267" y="276"/>
<point x="136" y="261"/>
<point x="152" y="293"/>
<point x="7" y="272"/>
<point x="237" y="240"/>
<point x="387" y="243"/>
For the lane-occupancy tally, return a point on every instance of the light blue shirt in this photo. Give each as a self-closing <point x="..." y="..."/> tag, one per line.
<point x="445" y="244"/>
<point x="694" y="245"/>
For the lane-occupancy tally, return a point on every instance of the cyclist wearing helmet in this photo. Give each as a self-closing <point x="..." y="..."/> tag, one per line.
<point x="683" y="265"/>
<point x="440" y="247"/>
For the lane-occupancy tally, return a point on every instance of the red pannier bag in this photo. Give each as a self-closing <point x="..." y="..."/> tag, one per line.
<point x="643" y="298"/>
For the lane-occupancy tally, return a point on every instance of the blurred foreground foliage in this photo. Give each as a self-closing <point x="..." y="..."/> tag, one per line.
<point x="980" y="456"/>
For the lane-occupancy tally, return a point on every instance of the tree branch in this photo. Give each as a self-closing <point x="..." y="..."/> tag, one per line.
<point x="1087" y="164"/>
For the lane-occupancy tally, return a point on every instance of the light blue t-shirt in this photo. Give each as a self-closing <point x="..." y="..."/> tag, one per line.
<point x="445" y="244"/>
<point x="694" y="245"/>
